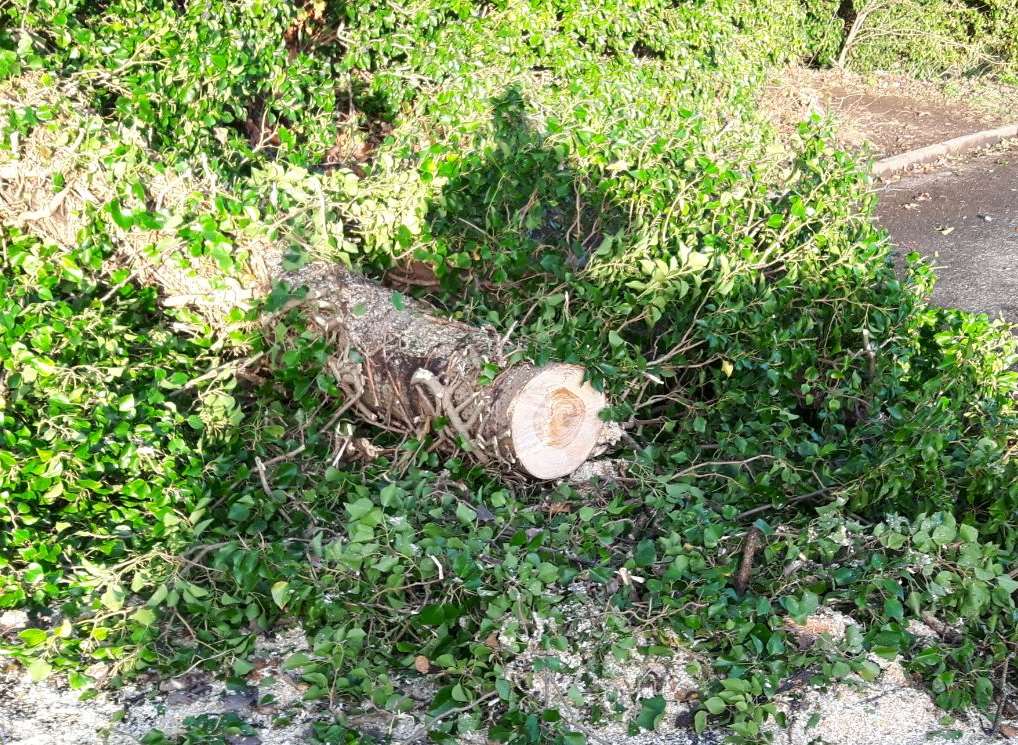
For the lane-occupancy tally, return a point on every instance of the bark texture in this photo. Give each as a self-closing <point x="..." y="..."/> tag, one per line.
<point x="405" y="368"/>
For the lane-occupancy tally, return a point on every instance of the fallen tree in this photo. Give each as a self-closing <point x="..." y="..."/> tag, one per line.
<point x="400" y="365"/>
<point x="403" y="368"/>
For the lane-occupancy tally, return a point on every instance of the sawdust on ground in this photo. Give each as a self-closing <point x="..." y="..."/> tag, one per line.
<point x="892" y="710"/>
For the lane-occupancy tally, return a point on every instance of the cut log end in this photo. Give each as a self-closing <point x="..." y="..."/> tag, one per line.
<point x="554" y="421"/>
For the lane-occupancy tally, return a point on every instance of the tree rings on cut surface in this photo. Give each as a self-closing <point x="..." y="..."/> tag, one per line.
<point x="554" y="422"/>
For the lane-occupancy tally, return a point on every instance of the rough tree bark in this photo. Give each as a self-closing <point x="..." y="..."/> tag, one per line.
<point x="403" y="368"/>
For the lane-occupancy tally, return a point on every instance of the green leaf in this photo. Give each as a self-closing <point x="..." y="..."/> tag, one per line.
<point x="238" y="512"/>
<point x="157" y="597"/>
<point x="39" y="670"/>
<point x="431" y="615"/>
<point x="715" y="705"/>
<point x="280" y="593"/>
<point x="220" y="252"/>
<point x="359" y="508"/>
<point x="144" y="616"/>
<point x="944" y="534"/>
<point x="700" y="721"/>
<point x="123" y="218"/>
<point x="976" y="598"/>
<point x="738" y="685"/>
<point x="113" y="597"/>
<point x="645" y="553"/>
<point x="868" y="671"/>
<point x="893" y="608"/>
<point x="929" y="657"/>
<point x="651" y="711"/>
<point x="547" y="572"/>
<point x="1008" y="585"/>
<point x="465" y="514"/>
<point x="33" y="637"/>
<point x="298" y="660"/>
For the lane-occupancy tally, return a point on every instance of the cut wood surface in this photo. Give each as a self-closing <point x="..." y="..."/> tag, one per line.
<point x="400" y="365"/>
<point x="403" y="367"/>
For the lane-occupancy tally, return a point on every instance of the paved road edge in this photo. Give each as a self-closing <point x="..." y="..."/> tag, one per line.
<point x="887" y="166"/>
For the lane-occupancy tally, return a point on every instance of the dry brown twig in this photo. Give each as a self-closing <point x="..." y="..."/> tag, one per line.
<point x="750" y="545"/>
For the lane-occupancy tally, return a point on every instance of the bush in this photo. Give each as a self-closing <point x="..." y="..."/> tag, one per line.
<point x="594" y="180"/>
<point x="103" y="452"/>
<point x="930" y="38"/>
<point x="824" y="29"/>
<point x="193" y="78"/>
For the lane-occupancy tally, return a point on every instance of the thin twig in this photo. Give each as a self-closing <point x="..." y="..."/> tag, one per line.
<point x="43" y="212"/>
<point x="995" y="729"/>
<point x="113" y="290"/>
<point x="697" y="466"/>
<point x="285" y="456"/>
<point x="215" y="371"/>
<point x="788" y="503"/>
<point x="465" y="707"/>
<point x="260" y="467"/>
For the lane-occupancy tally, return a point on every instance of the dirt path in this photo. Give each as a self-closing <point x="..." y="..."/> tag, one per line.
<point x="889" y="114"/>
<point x="960" y="213"/>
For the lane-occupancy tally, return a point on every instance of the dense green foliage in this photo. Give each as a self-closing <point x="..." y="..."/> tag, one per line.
<point x="932" y="37"/>
<point x="597" y="176"/>
<point x="102" y="461"/>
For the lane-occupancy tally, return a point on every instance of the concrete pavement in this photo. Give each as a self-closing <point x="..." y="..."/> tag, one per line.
<point x="963" y="216"/>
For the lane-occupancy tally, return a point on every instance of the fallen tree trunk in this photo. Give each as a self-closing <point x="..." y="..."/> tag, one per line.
<point x="400" y="366"/>
<point x="403" y="369"/>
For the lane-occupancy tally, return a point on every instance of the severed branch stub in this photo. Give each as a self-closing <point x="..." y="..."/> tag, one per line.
<point x="751" y="544"/>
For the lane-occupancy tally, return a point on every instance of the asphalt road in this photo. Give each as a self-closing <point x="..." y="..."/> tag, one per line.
<point x="963" y="216"/>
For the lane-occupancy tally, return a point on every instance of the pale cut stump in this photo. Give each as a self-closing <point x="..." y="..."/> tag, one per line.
<point x="405" y="368"/>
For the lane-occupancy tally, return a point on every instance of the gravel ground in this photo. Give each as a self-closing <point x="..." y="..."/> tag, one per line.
<point x="49" y="713"/>
<point x="888" y="711"/>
